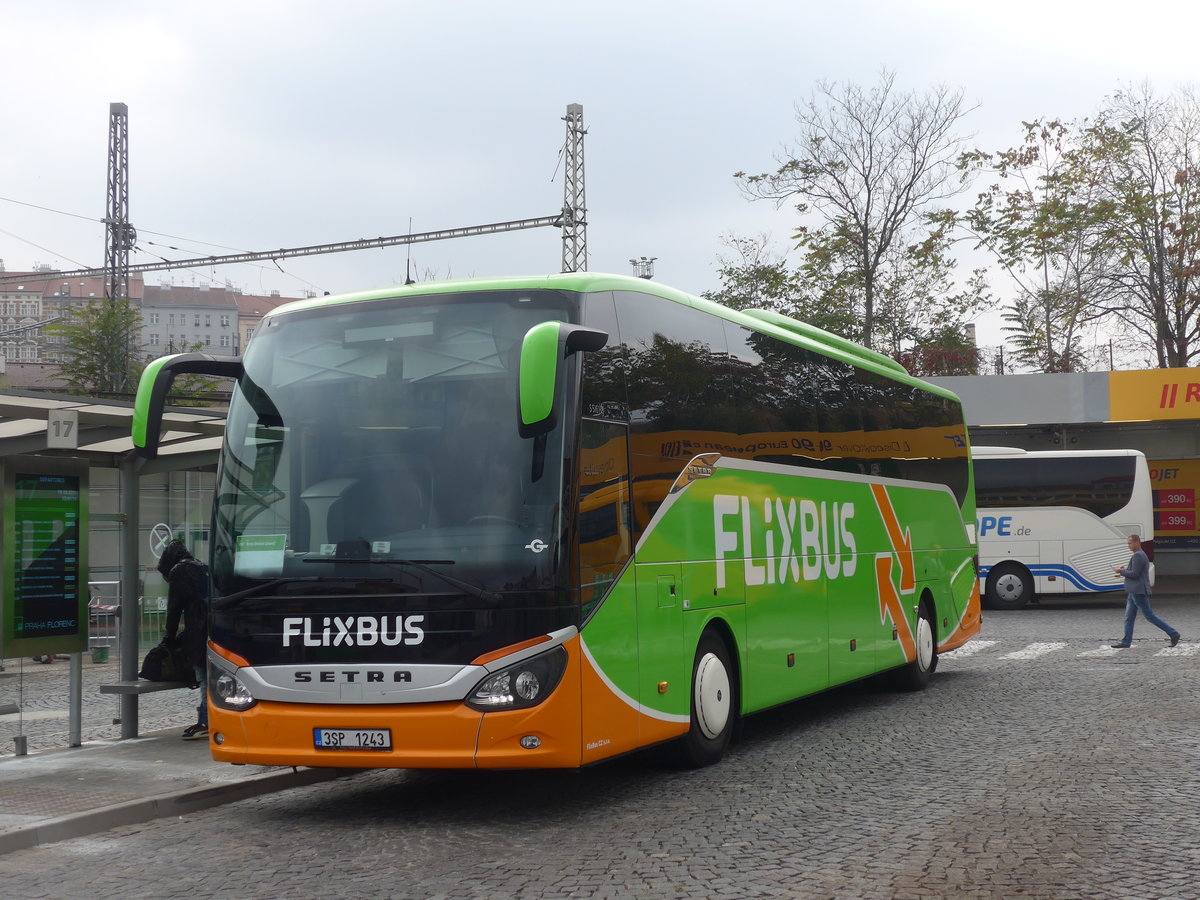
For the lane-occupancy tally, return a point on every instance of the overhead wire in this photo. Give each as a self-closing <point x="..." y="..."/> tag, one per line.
<point x="140" y="246"/>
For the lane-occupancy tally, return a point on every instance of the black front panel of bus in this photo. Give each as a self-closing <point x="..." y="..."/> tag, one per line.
<point x="383" y="628"/>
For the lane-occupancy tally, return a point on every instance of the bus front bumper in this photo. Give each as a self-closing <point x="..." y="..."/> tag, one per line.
<point x="447" y="735"/>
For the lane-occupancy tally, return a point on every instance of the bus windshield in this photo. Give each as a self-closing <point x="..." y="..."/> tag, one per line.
<point x="378" y="440"/>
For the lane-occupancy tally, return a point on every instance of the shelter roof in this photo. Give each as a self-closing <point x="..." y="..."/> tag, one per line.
<point x="191" y="437"/>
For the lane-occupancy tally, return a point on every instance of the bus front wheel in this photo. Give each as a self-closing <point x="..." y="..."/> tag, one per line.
<point x="916" y="675"/>
<point x="714" y="707"/>
<point x="1009" y="586"/>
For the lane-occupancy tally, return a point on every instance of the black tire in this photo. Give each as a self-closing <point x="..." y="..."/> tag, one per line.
<point x="916" y="675"/>
<point x="1009" y="586"/>
<point x="713" y="702"/>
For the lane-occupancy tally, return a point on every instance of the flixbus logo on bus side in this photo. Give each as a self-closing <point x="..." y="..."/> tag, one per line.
<point x="782" y="540"/>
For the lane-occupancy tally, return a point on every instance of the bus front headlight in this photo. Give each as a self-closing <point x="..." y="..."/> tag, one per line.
<point x="521" y="685"/>
<point x="228" y="692"/>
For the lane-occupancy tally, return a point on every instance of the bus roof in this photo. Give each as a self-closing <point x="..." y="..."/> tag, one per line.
<point x="1017" y="452"/>
<point x="770" y="322"/>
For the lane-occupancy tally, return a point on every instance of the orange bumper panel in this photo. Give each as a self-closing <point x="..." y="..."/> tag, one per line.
<point x="554" y="724"/>
<point x="426" y="735"/>
<point x="447" y="735"/>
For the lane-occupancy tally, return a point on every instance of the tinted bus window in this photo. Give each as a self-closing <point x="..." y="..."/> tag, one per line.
<point x="1101" y="485"/>
<point x="604" y="394"/>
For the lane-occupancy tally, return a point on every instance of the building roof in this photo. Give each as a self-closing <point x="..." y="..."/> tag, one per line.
<point x="30" y="375"/>
<point x="189" y="295"/>
<point x="52" y="285"/>
<point x="251" y="306"/>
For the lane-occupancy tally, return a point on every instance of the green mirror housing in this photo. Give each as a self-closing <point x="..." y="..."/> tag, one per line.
<point x="543" y="350"/>
<point x="155" y="384"/>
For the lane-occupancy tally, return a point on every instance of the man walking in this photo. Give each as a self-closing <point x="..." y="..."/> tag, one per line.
<point x="1137" y="586"/>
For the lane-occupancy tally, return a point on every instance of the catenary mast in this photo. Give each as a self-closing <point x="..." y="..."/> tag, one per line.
<point x="574" y="213"/>
<point x="121" y="236"/>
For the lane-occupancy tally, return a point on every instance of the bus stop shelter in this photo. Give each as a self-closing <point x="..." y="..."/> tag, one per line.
<point x="49" y="427"/>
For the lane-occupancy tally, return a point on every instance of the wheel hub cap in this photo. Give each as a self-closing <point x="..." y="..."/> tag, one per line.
<point x="712" y="695"/>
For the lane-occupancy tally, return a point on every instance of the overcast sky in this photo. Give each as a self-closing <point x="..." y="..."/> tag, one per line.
<point x="261" y="124"/>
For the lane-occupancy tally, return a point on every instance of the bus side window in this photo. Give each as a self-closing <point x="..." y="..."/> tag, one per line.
<point x="605" y="539"/>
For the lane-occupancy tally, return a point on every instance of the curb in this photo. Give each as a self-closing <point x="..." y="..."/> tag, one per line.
<point x="176" y="803"/>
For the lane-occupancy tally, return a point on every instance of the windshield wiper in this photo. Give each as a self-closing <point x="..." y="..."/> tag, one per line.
<point x="421" y="565"/>
<point x="235" y="598"/>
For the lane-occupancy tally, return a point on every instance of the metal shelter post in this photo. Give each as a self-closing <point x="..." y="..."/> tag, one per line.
<point x="130" y="619"/>
<point x="75" y="689"/>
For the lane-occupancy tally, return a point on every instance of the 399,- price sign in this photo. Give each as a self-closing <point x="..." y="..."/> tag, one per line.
<point x="1173" y="521"/>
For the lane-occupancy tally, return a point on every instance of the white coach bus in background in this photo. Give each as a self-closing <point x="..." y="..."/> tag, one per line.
<point x="1056" y="521"/>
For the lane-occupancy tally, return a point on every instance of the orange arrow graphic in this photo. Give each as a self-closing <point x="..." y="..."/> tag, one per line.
<point x="890" y="605"/>
<point x="901" y="540"/>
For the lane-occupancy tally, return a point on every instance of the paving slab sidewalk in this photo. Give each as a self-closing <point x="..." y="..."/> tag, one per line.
<point x="61" y="794"/>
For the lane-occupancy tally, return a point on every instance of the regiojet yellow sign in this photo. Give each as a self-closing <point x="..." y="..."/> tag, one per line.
<point x="1154" y="394"/>
<point x="1176" y="484"/>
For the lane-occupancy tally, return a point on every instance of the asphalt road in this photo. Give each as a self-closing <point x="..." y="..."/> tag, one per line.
<point x="1040" y="763"/>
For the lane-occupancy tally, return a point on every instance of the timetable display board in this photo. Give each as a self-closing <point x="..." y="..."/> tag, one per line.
<point x="1176" y="484"/>
<point x="45" y="557"/>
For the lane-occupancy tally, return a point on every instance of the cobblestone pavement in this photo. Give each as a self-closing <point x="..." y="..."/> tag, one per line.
<point x="1039" y="764"/>
<point x="42" y="691"/>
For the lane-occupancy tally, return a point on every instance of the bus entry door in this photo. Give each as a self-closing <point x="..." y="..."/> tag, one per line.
<point x="664" y="668"/>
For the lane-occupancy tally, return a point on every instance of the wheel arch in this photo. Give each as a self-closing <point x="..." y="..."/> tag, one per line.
<point x="929" y="598"/>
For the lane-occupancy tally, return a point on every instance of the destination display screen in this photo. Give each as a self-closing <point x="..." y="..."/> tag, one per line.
<point x="45" y="556"/>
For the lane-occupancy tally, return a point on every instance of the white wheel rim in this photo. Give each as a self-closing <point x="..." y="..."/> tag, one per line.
<point x="924" y="643"/>
<point x="1010" y="586"/>
<point x="712" y="695"/>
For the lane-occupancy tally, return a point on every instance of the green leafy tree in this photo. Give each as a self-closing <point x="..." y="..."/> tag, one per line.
<point x="1042" y="334"/>
<point x="1144" y="153"/>
<point x="1043" y="220"/>
<point x="755" y="277"/>
<point x="916" y="296"/>
<point x="918" y="302"/>
<point x="101" y="356"/>
<point x="943" y="351"/>
<point x="867" y="165"/>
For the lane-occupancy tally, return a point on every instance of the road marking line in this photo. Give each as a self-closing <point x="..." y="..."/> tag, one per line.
<point x="1101" y="651"/>
<point x="1033" y="651"/>
<point x="1180" y="650"/>
<point x="970" y="649"/>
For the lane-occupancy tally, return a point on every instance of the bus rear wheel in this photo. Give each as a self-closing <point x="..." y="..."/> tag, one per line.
<point x="714" y="704"/>
<point x="1009" y="586"/>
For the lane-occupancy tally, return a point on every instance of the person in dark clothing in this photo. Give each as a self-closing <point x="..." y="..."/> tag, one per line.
<point x="187" y="594"/>
<point x="1137" y="589"/>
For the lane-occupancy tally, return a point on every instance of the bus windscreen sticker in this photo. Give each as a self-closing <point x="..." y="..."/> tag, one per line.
<point x="259" y="554"/>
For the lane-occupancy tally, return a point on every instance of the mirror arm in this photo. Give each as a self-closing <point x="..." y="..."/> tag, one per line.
<point x="155" y="384"/>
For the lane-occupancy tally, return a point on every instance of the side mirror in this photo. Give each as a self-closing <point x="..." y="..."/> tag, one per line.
<point x="543" y="351"/>
<point x="155" y="384"/>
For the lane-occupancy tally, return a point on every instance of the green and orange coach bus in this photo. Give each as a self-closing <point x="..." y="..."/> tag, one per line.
<point x="543" y="522"/>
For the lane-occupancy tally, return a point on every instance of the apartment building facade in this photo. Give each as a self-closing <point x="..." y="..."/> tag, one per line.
<point x="215" y="319"/>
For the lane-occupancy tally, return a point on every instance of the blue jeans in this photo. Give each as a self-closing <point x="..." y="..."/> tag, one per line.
<point x="202" y="709"/>
<point x="1142" y="602"/>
